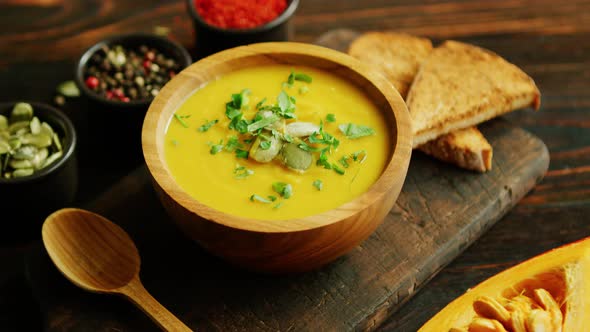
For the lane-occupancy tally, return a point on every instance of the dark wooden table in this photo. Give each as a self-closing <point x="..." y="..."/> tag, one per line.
<point x="41" y="39"/>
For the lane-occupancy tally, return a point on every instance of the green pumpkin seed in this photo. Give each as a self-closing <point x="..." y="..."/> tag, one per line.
<point x="4" y="147"/>
<point x="46" y="129"/>
<point x="57" y="142"/>
<point x="51" y="159"/>
<point x="301" y="129"/>
<point x="21" y="112"/>
<point x="68" y="89"/>
<point x="40" y="158"/>
<point x="15" y="143"/>
<point x="23" y="172"/>
<point x="40" y="141"/>
<point x="26" y="152"/>
<point x="295" y="158"/>
<point x="16" y="164"/>
<point x="262" y="155"/>
<point x="26" y="143"/>
<point x="15" y="127"/>
<point x="35" y="125"/>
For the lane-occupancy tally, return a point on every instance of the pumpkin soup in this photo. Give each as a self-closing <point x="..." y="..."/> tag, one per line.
<point x="276" y="142"/>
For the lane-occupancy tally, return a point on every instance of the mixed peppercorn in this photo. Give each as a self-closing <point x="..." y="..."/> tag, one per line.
<point x="127" y="74"/>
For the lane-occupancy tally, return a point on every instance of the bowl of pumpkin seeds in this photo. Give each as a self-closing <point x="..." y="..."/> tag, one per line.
<point x="38" y="169"/>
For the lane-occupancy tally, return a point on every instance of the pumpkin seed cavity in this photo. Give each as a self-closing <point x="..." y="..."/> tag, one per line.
<point x="27" y="145"/>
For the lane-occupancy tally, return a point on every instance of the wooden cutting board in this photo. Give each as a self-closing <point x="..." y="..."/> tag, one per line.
<point x="440" y="212"/>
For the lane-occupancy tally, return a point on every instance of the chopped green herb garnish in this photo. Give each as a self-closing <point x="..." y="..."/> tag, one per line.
<point x="283" y="189"/>
<point x="286" y="106"/>
<point x="241" y="154"/>
<point x="331" y="117"/>
<point x="291" y="79"/>
<point x="323" y="160"/>
<point x="353" y="131"/>
<point x="303" y="90"/>
<point x="260" y="103"/>
<point x="344" y="161"/>
<point x="359" y="156"/>
<point x="232" y="144"/>
<point x="241" y="172"/>
<point x="302" y="77"/>
<point x="215" y="148"/>
<point x="181" y="120"/>
<point x="241" y="99"/>
<point x="207" y="125"/>
<point x="288" y="138"/>
<point x="262" y="123"/>
<point x="272" y="198"/>
<point x="259" y="199"/>
<point x="248" y="140"/>
<point x="318" y="184"/>
<point x="337" y="169"/>
<point x="265" y="145"/>
<point x="278" y="205"/>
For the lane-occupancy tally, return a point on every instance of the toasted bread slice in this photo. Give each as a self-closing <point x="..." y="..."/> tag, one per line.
<point x="461" y="85"/>
<point x="398" y="56"/>
<point x="467" y="148"/>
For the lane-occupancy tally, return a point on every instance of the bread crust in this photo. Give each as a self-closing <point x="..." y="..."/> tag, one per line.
<point x="462" y="85"/>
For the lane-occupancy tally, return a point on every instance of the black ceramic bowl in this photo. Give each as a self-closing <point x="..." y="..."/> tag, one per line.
<point x="26" y="201"/>
<point x="164" y="45"/>
<point x="211" y="39"/>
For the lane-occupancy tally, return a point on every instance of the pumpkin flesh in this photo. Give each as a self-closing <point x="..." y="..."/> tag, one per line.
<point x="550" y="292"/>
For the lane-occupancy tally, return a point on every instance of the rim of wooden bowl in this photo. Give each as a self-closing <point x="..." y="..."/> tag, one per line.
<point x="190" y="79"/>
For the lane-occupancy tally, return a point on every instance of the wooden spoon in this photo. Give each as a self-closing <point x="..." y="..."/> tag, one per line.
<point x="99" y="256"/>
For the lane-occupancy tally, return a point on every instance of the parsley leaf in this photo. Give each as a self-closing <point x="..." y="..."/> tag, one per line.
<point x="260" y="103"/>
<point x="207" y="125"/>
<point x="337" y="169"/>
<point x="354" y="131"/>
<point x="241" y="154"/>
<point x="232" y="144"/>
<point x="180" y="119"/>
<point x="344" y="161"/>
<point x="302" y="77"/>
<point x="318" y="184"/>
<point x="259" y="199"/>
<point x="241" y="172"/>
<point x="331" y="117"/>
<point x="215" y="148"/>
<point x="283" y="189"/>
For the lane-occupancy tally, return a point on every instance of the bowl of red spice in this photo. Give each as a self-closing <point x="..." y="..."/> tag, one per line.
<point x="223" y="24"/>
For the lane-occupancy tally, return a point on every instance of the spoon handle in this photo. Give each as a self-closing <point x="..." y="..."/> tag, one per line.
<point x="135" y="291"/>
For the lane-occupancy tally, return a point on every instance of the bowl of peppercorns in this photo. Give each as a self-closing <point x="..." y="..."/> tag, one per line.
<point x="128" y="71"/>
<point x="223" y="24"/>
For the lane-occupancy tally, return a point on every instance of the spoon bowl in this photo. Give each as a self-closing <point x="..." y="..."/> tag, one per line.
<point x="97" y="255"/>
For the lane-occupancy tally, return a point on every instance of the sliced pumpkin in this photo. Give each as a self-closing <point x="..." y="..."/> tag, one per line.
<point x="550" y="292"/>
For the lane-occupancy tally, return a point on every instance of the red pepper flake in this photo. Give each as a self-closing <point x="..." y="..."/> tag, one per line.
<point x="125" y="99"/>
<point x="146" y="65"/>
<point x="91" y="82"/>
<point x="239" y="14"/>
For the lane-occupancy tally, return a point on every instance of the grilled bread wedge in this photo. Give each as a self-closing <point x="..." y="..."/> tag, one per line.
<point x="462" y="85"/>
<point x="399" y="56"/>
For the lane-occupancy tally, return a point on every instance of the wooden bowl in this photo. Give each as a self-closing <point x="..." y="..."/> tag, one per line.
<point x="279" y="245"/>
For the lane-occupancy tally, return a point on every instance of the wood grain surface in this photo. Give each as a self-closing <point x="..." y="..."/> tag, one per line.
<point x="440" y="211"/>
<point x="41" y="39"/>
